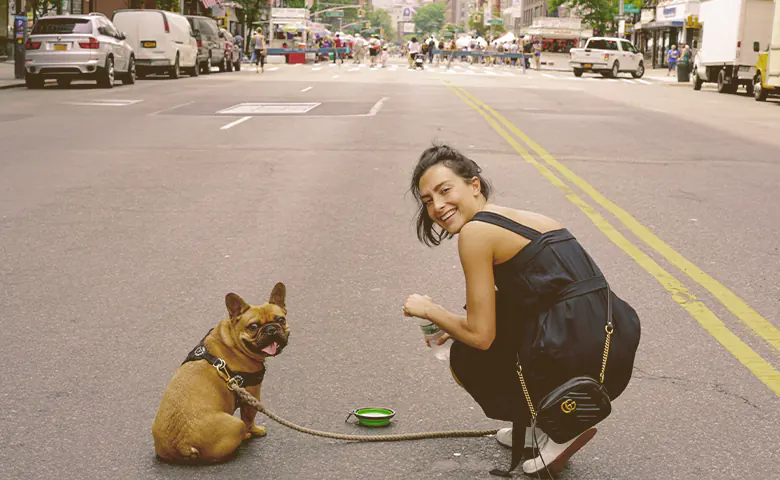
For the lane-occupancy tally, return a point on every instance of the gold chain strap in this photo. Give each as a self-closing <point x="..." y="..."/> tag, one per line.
<point x="609" y="328"/>
<point x="525" y="390"/>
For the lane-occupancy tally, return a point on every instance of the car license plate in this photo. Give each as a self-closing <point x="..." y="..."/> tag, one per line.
<point x="149" y="44"/>
<point x="587" y="65"/>
<point x="60" y="47"/>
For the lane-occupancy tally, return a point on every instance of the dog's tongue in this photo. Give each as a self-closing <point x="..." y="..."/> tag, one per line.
<point x="271" y="349"/>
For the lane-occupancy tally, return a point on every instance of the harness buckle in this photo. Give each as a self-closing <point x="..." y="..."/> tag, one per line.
<point x="221" y="367"/>
<point x="234" y="382"/>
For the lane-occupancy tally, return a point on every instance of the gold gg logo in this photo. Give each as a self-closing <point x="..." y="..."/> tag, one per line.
<point x="568" y="405"/>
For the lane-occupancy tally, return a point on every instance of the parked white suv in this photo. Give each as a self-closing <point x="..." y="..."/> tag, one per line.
<point x="70" y="47"/>
<point x="607" y="56"/>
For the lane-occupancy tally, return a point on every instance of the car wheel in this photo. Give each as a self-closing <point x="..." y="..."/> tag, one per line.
<point x="577" y="72"/>
<point x="130" y="75"/>
<point x="749" y="89"/>
<point x="228" y="65"/>
<point x="237" y="66"/>
<point x="207" y="67"/>
<point x="175" y="71"/>
<point x="759" y="92"/>
<point x="615" y="69"/>
<point x="697" y="81"/>
<point x="33" y="81"/>
<point x="107" y="74"/>
<point x="724" y="87"/>
<point x="640" y="70"/>
<point x="64" y="82"/>
<point x="195" y="70"/>
<point x="222" y="64"/>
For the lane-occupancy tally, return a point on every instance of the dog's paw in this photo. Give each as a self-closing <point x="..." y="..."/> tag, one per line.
<point x="256" y="431"/>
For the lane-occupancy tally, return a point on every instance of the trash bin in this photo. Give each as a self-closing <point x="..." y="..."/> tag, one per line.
<point x="683" y="72"/>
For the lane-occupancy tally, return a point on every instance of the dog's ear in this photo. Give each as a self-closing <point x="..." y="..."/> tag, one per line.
<point x="278" y="294"/>
<point x="235" y="305"/>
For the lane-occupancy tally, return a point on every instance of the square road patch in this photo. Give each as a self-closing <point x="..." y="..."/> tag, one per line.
<point x="269" y="108"/>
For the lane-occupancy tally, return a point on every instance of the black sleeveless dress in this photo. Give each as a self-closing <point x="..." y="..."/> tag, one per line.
<point x="549" y="288"/>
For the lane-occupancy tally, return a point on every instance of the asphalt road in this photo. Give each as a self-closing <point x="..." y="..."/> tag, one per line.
<point x="126" y="215"/>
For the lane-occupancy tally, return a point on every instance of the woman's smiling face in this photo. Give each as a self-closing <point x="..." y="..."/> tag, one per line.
<point x="449" y="200"/>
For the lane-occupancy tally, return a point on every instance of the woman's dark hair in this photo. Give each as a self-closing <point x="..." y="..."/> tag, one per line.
<point x="463" y="167"/>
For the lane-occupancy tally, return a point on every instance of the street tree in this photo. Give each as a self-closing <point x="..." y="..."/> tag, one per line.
<point x="595" y="13"/>
<point x="429" y="18"/>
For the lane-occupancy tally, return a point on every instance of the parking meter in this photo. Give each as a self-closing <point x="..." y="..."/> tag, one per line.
<point x="20" y="38"/>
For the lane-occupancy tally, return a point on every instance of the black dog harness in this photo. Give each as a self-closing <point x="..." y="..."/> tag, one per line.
<point x="241" y="379"/>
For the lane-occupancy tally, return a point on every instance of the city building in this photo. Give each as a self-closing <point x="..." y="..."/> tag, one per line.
<point x="6" y="29"/>
<point x="669" y="23"/>
<point x="533" y="9"/>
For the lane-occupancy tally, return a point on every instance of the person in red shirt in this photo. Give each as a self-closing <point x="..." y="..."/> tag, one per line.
<point x="339" y="44"/>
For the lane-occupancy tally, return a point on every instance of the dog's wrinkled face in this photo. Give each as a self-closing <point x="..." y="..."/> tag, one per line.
<point x="260" y="331"/>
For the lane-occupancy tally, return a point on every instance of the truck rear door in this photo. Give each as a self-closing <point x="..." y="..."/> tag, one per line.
<point x="773" y="63"/>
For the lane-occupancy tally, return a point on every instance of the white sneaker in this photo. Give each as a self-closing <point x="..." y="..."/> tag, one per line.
<point x="504" y="437"/>
<point x="556" y="455"/>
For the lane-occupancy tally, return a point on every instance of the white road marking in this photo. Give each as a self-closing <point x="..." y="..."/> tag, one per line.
<point x="377" y="106"/>
<point x="106" y="103"/>
<point x="171" y="108"/>
<point x="233" y="124"/>
<point x="643" y="81"/>
<point x="273" y="69"/>
<point x="354" y="69"/>
<point x="306" y="89"/>
<point x="627" y="80"/>
<point x="549" y="76"/>
<point x="335" y="76"/>
<point x="316" y="69"/>
<point x="612" y="79"/>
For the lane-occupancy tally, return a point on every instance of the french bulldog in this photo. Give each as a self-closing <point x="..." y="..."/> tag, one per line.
<point x="195" y="421"/>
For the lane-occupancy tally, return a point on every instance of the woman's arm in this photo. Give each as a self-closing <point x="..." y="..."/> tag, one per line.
<point x="478" y="328"/>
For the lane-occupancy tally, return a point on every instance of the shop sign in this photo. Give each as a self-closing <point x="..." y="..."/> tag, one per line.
<point x="670" y="12"/>
<point x="647" y="16"/>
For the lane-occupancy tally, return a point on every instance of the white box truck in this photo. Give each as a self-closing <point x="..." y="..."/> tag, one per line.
<point x="767" y="79"/>
<point x="731" y="31"/>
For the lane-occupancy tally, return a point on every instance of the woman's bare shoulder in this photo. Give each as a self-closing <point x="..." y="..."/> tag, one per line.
<point x="537" y="221"/>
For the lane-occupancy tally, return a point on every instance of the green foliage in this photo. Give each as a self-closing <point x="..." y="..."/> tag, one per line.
<point x="595" y="13"/>
<point x="380" y="18"/>
<point x="430" y="18"/>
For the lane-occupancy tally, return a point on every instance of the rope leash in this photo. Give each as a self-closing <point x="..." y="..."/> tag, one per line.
<point x="247" y="398"/>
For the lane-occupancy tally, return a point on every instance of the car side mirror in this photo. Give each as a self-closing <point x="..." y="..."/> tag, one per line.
<point x="756" y="47"/>
<point x="121" y="36"/>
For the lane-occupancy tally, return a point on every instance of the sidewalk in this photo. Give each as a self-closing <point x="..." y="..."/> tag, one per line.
<point x="7" y="79"/>
<point x="660" y="75"/>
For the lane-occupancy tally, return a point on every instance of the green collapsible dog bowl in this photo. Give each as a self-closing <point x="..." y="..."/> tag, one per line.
<point x="373" y="417"/>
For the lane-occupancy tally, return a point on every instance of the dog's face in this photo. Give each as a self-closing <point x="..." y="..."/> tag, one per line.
<point x="259" y="331"/>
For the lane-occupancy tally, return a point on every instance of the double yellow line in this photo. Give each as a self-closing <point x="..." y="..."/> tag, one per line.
<point x="762" y="369"/>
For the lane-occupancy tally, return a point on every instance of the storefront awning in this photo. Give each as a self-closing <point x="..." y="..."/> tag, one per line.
<point x="664" y="24"/>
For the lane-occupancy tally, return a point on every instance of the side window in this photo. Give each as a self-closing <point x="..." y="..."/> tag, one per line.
<point x="108" y="27"/>
<point x="627" y="46"/>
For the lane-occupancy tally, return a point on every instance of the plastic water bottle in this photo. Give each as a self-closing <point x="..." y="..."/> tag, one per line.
<point x="432" y="333"/>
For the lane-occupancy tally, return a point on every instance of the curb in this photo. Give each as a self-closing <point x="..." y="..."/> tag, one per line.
<point x="12" y="85"/>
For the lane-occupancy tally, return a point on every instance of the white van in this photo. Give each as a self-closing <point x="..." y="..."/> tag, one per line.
<point x="163" y="41"/>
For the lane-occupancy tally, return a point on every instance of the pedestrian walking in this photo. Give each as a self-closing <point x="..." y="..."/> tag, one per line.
<point x="671" y="59"/>
<point x="538" y="54"/>
<point x="260" y="51"/>
<point x="337" y="54"/>
<point x="535" y="300"/>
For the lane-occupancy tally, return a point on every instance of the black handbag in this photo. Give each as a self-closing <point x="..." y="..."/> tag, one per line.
<point x="570" y="409"/>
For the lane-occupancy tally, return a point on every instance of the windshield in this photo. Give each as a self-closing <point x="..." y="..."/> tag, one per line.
<point x="602" y="44"/>
<point x="62" y="25"/>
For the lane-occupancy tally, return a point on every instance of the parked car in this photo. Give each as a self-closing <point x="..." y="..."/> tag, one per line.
<point x="75" y="47"/>
<point x="607" y="56"/>
<point x="211" y="43"/>
<point x="232" y="52"/>
<point x="163" y="41"/>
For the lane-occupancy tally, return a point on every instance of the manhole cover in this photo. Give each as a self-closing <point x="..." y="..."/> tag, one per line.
<point x="269" y="108"/>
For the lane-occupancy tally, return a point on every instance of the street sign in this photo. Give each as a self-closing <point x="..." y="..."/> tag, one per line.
<point x="495" y="21"/>
<point x="618" y="18"/>
<point x="630" y="9"/>
<point x="335" y="13"/>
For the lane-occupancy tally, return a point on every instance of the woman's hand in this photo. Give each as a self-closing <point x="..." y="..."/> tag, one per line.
<point x="417" y="305"/>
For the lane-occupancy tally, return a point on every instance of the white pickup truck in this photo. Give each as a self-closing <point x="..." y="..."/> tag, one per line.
<point x="607" y="56"/>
